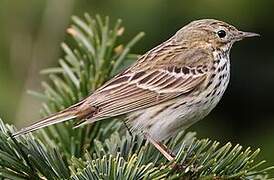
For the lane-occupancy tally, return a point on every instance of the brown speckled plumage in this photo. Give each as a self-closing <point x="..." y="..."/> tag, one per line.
<point x="169" y="88"/>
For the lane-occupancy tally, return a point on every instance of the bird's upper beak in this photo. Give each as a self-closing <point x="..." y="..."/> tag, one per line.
<point x="241" y="35"/>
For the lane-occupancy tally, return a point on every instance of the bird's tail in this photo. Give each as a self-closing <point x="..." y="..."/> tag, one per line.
<point x="76" y="111"/>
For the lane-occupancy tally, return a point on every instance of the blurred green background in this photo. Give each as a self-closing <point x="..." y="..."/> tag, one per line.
<point x="31" y="32"/>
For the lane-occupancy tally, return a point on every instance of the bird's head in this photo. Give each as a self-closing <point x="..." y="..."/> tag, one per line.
<point x="210" y="31"/>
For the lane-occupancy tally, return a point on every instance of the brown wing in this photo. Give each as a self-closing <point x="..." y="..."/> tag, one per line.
<point x="165" y="77"/>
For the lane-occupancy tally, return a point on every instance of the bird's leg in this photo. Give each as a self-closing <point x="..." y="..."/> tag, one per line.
<point x="162" y="148"/>
<point x="165" y="151"/>
<point x="169" y="151"/>
<point x="128" y="129"/>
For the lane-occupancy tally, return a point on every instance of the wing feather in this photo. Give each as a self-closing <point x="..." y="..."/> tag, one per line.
<point x="143" y="92"/>
<point x="151" y="81"/>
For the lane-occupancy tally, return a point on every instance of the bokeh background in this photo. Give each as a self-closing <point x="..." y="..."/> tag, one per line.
<point x="31" y="32"/>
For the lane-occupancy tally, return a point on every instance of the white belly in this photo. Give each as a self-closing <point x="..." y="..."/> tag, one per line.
<point x="166" y="119"/>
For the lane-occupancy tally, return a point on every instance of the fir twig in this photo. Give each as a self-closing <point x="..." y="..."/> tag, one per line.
<point x="104" y="150"/>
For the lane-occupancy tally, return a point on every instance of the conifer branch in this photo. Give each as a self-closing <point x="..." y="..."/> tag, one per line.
<point x="105" y="150"/>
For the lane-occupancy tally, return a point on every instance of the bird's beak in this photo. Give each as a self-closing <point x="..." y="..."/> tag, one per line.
<point x="241" y="35"/>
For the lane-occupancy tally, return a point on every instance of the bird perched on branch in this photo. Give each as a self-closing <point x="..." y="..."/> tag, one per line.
<point x="168" y="89"/>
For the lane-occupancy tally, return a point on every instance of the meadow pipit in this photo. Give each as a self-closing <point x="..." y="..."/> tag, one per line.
<point x="168" y="89"/>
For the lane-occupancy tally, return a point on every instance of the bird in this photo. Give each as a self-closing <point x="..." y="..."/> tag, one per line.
<point x="167" y="89"/>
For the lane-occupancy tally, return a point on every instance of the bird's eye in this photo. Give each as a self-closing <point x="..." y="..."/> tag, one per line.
<point x="221" y="33"/>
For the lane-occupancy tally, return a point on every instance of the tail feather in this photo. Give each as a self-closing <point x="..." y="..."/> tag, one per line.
<point x="85" y="122"/>
<point x="81" y="110"/>
<point x="53" y="119"/>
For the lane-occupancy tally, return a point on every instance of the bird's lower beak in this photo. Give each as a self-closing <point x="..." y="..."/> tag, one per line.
<point x="241" y="35"/>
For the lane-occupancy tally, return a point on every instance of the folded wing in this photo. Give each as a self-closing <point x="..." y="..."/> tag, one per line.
<point x="138" y="90"/>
